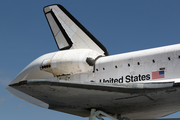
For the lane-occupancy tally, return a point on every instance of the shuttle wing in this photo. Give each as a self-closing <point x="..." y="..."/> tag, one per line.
<point x="123" y="87"/>
<point x="68" y="32"/>
<point x="83" y="95"/>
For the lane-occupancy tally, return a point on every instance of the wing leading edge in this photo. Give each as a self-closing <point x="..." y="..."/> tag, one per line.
<point x="127" y="88"/>
<point x="69" y="33"/>
<point x="59" y="94"/>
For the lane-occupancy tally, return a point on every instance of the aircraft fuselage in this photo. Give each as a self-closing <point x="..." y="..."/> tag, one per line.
<point x="81" y="77"/>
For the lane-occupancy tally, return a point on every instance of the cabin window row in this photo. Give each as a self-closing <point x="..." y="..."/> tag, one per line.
<point x="138" y="63"/>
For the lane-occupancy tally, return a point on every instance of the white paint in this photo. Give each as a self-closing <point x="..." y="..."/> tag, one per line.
<point x="70" y="66"/>
<point x="72" y="61"/>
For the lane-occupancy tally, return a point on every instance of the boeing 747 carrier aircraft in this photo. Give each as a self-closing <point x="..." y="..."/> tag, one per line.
<point x="82" y="79"/>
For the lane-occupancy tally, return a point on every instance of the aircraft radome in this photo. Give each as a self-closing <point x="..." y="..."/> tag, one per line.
<point x="82" y="79"/>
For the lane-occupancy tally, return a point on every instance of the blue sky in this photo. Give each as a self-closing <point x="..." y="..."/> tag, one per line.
<point x="121" y="25"/>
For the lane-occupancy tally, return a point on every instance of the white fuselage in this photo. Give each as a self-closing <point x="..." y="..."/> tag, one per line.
<point x="139" y="66"/>
<point x="134" y="67"/>
<point x="82" y="78"/>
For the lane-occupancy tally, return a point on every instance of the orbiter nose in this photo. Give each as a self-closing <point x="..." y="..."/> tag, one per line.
<point x="32" y="71"/>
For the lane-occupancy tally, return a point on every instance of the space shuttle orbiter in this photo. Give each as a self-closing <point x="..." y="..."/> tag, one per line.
<point x="82" y="79"/>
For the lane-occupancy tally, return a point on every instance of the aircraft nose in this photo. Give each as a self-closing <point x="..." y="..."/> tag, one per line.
<point x="33" y="71"/>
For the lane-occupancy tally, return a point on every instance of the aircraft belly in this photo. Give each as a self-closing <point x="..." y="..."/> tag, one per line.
<point x="79" y="101"/>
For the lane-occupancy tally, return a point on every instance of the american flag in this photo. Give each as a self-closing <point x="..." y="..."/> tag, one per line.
<point x="157" y="74"/>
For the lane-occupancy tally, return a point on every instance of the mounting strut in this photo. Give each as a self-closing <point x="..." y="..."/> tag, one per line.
<point x="97" y="114"/>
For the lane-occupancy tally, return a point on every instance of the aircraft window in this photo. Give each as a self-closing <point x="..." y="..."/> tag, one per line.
<point x="138" y="63"/>
<point x="45" y="66"/>
<point x="128" y="65"/>
<point x="96" y="69"/>
<point x="103" y="68"/>
<point x="116" y="66"/>
<point x="162" y="68"/>
<point x="179" y="56"/>
<point x="153" y="61"/>
<point x="169" y="58"/>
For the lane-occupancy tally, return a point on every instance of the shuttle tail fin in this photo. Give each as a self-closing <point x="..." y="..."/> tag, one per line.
<point x="68" y="32"/>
